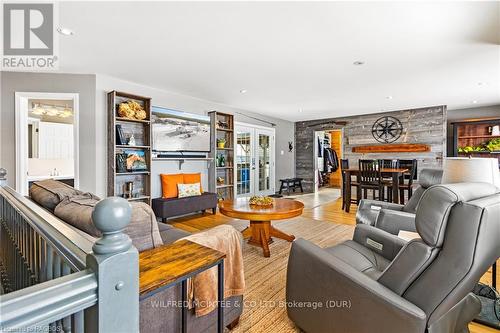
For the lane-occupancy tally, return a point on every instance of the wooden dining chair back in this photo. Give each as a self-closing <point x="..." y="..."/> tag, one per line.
<point x="387" y="178"/>
<point x="344" y="164"/>
<point x="411" y="165"/>
<point x="369" y="172"/>
<point x="389" y="164"/>
<point x="370" y="178"/>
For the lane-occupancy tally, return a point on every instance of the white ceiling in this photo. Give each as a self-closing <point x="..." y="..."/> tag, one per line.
<point x="294" y="55"/>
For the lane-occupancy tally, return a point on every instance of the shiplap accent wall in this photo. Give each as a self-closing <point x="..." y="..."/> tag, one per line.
<point x="423" y="125"/>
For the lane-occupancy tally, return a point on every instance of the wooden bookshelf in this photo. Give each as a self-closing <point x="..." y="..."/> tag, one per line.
<point x="222" y="127"/>
<point x="141" y="130"/>
<point x="474" y="133"/>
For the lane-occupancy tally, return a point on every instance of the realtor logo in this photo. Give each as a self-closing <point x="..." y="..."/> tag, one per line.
<point x="28" y="36"/>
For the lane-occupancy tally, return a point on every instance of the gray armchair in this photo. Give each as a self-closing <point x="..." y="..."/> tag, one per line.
<point x="378" y="283"/>
<point x="392" y="217"/>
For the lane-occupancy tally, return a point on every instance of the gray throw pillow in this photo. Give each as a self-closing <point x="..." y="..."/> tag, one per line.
<point x="142" y="229"/>
<point x="77" y="211"/>
<point x="49" y="193"/>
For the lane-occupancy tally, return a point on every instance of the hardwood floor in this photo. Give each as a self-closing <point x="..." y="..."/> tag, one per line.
<point x="331" y="211"/>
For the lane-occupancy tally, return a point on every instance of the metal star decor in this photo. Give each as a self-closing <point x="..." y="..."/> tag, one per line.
<point x="387" y="129"/>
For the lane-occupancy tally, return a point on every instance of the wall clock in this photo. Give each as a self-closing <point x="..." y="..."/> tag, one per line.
<point x="387" y="129"/>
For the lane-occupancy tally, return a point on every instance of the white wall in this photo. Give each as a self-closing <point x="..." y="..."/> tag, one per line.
<point x="285" y="164"/>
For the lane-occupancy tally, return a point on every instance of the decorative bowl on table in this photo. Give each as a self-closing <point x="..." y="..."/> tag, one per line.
<point x="261" y="201"/>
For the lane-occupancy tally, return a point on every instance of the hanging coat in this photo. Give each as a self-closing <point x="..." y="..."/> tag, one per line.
<point x="320" y="148"/>
<point x="330" y="160"/>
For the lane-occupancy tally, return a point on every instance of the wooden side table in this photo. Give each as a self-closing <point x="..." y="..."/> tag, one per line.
<point x="167" y="265"/>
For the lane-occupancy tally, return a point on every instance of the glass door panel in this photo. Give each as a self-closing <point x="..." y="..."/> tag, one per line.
<point x="254" y="161"/>
<point x="265" y="162"/>
<point x="244" y="163"/>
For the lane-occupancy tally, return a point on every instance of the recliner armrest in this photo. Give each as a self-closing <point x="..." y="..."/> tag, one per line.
<point x="393" y="221"/>
<point x="368" y="210"/>
<point x="350" y="300"/>
<point x="368" y="204"/>
<point x="379" y="241"/>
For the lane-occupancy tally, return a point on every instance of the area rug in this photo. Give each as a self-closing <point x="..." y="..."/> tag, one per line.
<point x="266" y="277"/>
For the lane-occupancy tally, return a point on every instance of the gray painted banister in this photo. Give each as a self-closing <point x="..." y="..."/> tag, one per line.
<point x="60" y="278"/>
<point x="44" y="303"/>
<point x="71" y="243"/>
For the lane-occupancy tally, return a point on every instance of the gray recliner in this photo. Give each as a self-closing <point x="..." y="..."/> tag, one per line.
<point x="393" y="217"/>
<point x="378" y="283"/>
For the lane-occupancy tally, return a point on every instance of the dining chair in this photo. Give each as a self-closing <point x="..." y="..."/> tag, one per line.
<point x="411" y="165"/>
<point x="371" y="178"/>
<point x="388" y="164"/>
<point x="344" y="164"/>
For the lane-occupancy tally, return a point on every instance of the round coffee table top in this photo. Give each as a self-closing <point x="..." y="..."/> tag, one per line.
<point x="241" y="209"/>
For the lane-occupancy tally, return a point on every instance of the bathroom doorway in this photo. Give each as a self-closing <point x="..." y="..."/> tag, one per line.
<point x="46" y="138"/>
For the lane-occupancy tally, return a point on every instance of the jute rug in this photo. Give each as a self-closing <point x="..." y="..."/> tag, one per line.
<point x="265" y="278"/>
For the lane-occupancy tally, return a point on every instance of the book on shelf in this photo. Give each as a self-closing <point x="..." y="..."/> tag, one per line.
<point x="120" y="137"/>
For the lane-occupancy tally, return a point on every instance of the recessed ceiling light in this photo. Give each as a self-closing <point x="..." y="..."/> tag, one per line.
<point x="65" y="31"/>
<point x="243" y="91"/>
<point x="474" y="102"/>
<point x="388" y="97"/>
<point x="480" y="83"/>
<point x="300" y="110"/>
<point x="358" y="63"/>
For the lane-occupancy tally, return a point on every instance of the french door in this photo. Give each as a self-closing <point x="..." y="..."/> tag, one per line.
<point x="254" y="160"/>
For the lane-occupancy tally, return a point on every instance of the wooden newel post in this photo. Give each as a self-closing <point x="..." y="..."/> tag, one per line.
<point x="116" y="264"/>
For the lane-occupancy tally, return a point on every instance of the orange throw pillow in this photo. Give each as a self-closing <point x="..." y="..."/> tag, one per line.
<point x="169" y="184"/>
<point x="192" y="178"/>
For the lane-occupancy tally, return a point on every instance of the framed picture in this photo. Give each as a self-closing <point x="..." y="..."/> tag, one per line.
<point x="136" y="160"/>
<point x="178" y="131"/>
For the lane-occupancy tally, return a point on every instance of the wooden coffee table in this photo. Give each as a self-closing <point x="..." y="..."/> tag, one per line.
<point x="261" y="230"/>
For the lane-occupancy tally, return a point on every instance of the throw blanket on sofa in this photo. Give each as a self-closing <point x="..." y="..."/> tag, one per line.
<point x="202" y="289"/>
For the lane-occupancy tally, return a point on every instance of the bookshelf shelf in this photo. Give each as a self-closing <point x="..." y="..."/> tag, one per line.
<point x="132" y="173"/>
<point x="140" y="198"/>
<point x="128" y="120"/>
<point x="132" y="147"/>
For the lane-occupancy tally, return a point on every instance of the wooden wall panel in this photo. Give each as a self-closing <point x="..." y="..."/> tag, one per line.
<point x="424" y="125"/>
<point x="336" y="143"/>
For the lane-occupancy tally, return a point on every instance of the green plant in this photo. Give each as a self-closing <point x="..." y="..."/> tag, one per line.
<point x="493" y="145"/>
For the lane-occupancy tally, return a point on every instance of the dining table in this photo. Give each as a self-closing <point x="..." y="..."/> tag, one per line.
<point x="394" y="173"/>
